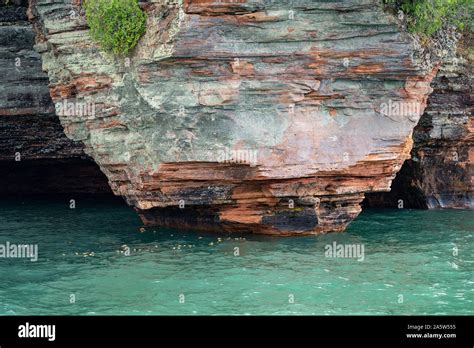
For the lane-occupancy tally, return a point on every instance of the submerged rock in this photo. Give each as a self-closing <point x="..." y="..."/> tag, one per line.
<point x="271" y="117"/>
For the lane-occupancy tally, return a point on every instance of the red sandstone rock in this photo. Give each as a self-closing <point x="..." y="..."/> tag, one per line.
<point x="255" y="116"/>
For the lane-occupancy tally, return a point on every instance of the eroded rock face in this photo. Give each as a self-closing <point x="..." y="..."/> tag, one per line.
<point x="440" y="173"/>
<point x="261" y="116"/>
<point x="35" y="154"/>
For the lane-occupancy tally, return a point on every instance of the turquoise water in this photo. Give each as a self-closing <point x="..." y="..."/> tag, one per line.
<point x="410" y="265"/>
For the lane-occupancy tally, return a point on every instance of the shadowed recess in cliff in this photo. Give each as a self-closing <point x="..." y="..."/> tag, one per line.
<point x="35" y="154"/>
<point x="440" y="173"/>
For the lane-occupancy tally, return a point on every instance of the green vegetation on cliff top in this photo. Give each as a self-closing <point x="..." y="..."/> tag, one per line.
<point x="116" y="25"/>
<point x="427" y="16"/>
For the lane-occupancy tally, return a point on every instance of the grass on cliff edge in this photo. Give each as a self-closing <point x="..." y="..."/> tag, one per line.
<point x="427" y="16"/>
<point x="116" y="25"/>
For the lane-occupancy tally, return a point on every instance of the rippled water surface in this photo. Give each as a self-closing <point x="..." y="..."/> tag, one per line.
<point x="410" y="267"/>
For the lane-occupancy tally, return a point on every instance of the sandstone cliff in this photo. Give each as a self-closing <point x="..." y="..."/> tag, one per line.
<point x="440" y="173"/>
<point x="35" y="155"/>
<point x="259" y="116"/>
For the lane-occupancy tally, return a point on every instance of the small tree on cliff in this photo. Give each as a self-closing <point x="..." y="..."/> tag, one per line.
<point x="116" y="25"/>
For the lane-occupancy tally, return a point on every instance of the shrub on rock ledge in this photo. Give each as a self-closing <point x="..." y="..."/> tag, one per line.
<point x="427" y="16"/>
<point x="116" y="25"/>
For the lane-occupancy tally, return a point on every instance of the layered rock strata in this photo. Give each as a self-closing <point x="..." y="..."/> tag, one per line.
<point x="253" y="116"/>
<point x="440" y="173"/>
<point x="35" y="154"/>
